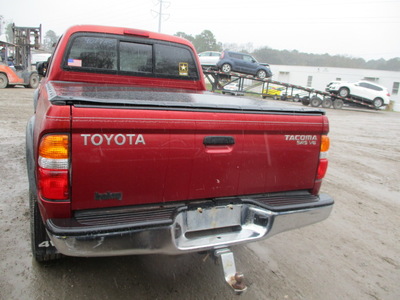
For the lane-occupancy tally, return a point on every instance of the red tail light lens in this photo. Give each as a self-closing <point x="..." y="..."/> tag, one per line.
<point x="53" y="184"/>
<point x="322" y="168"/>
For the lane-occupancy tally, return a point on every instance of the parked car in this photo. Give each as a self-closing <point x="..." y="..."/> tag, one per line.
<point x="209" y="58"/>
<point x="293" y="94"/>
<point x="273" y="92"/>
<point x="233" y="89"/>
<point x="37" y="58"/>
<point x="149" y="163"/>
<point x="368" y="91"/>
<point x="243" y="63"/>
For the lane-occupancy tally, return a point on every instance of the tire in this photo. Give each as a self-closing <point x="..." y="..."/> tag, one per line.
<point x="296" y="98"/>
<point x="338" y="104"/>
<point x="42" y="248"/>
<point x="3" y="81"/>
<point x="344" y="92"/>
<point x="305" y="101"/>
<point x="33" y="81"/>
<point x="327" y="102"/>
<point x="378" y="102"/>
<point x="226" y="68"/>
<point x="261" y="74"/>
<point x="315" y="101"/>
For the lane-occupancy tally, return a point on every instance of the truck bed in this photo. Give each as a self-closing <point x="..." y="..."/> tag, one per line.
<point x="86" y="93"/>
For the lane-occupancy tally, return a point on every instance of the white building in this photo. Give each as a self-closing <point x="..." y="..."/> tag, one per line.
<point x="319" y="77"/>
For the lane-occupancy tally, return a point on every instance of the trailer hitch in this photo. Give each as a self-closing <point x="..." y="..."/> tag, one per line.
<point x="232" y="277"/>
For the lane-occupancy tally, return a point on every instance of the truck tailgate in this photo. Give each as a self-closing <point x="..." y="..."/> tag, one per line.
<point x="126" y="156"/>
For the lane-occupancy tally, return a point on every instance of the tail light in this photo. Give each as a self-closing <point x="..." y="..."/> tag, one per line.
<point x="53" y="167"/>
<point x="323" y="157"/>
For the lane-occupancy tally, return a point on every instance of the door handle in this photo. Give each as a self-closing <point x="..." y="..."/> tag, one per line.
<point x="218" y="140"/>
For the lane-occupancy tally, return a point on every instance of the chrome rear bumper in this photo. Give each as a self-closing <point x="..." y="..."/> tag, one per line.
<point x="190" y="229"/>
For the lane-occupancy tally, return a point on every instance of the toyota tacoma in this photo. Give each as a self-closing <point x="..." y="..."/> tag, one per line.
<point x="128" y="154"/>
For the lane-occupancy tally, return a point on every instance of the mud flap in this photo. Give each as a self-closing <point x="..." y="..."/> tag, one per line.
<point x="232" y="277"/>
<point x="43" y="249"/>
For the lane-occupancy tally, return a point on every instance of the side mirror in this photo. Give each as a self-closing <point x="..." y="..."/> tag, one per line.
<point x="42" y="68"/>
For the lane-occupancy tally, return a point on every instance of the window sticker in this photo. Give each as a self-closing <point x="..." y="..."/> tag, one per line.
<point x="74" y="62"/>
<point x="183" y="69"/>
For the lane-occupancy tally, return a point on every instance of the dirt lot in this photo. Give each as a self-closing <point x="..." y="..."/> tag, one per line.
<point x="355" y="254"/>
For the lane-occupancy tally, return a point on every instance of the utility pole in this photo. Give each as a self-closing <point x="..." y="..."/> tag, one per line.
<point x="160" y="14"/>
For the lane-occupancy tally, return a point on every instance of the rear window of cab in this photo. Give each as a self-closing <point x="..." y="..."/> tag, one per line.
<point x="124" y="56"/>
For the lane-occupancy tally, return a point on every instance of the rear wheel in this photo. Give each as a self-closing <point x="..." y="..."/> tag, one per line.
<point x="305" y="101"/>
<point x="33" y="81"/>
<point x="226" y="68"/>
<point x="378" y="102"/>
<point x="3" y="81"/>
<point x="338" y="104"/>
<point x="344" y="92"/>
<point x="42" y="247"/>
<point x="315" y="101"/>
<point x="327" y="102"/>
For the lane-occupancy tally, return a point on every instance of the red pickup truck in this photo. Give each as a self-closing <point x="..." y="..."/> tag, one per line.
<point x="127" y="154"/>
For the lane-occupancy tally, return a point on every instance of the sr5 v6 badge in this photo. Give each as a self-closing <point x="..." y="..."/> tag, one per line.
<point x="302" y="139"/>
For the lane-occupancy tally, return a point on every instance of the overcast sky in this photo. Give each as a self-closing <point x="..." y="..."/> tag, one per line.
<point x="358" y="28"/>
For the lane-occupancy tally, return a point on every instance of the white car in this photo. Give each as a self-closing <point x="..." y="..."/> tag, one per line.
<point x="233" y="89"/>
<point x="39" y="57"/>
<point x="365" y="90"/>
<point x="209" y="58"/>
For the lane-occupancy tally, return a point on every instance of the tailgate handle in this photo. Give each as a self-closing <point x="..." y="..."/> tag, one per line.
<point x="218" y="140"/>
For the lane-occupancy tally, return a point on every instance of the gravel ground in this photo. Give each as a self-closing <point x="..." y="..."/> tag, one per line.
<point x="354" y="254"/>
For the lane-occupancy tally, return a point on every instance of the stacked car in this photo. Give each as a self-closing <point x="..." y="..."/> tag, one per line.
<point x="231" y="61"/>
<point x="364" y="90"/>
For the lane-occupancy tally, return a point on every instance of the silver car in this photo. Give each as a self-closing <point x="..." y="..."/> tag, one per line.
<point x="209" y="58"/>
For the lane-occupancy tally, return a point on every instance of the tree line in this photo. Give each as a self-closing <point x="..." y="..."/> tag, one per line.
<point x="206" y="41"/>
<point x="296" y="58"/>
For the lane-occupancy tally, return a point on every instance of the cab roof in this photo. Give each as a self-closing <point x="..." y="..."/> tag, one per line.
<point x="126" y="31"/>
